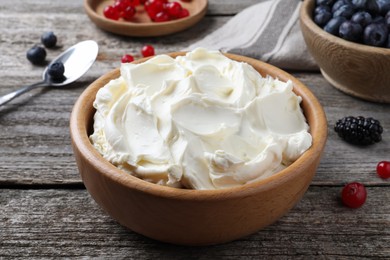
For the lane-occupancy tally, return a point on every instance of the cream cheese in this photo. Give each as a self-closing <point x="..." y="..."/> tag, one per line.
<point x="199" y="121"/>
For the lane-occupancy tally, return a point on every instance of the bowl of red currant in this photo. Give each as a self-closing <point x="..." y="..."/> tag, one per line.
<point x="145" y="18"/>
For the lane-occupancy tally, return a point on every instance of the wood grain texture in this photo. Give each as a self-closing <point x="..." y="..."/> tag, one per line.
<point x="67" y="223"/>
<point x="41" y="218"/>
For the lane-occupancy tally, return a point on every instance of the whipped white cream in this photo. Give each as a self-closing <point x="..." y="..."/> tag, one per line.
<point x="200" y="121"/>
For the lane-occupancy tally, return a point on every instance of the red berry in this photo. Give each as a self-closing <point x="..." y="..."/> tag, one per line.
<point x="121" y="5"/>
<point x="153" y="7"/>
<point x="147" y="51"/>
<point x="111" y="12"/>
<point x="127" y="58"/>
<point x="161" y="17"/>
<point x="354" y="195"/>
<point x="173" y="9"/>
<point x="128" y="13"/>
<point x="383" y="169"/>
<point x="184" y="13"/>
<point x="135" y="2"/>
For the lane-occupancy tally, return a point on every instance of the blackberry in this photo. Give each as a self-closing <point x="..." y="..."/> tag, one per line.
<point x="359" y="130"/>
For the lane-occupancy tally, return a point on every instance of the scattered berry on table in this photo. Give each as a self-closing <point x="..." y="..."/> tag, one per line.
<point x="127" y="58"/>
<point x="147" y="51"/>
<point x="372" y="17"/>
<point x="383" y="169"/>
<point x="36" y="55"/>
<point x="354" y="195"/>
<point x="56" y="71"/>
<point x="49" y="39"/>
<point x="359" y="130"/>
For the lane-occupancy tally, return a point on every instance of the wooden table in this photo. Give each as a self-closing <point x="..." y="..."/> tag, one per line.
<point x="45" y="211"/>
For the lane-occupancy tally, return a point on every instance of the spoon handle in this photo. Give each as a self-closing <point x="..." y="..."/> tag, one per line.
<point x="8" y="97"/>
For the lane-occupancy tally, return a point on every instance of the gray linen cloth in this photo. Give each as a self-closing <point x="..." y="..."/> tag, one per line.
<point x="268" y="31"/>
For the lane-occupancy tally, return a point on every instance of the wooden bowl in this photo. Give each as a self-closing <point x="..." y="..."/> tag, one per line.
<point x="142" y="26"/>
<point x="195" y="217"/>
<point x="356" y="69"/>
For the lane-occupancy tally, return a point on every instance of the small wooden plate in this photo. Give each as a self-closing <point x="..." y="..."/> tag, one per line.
<point x="142" y="26"/>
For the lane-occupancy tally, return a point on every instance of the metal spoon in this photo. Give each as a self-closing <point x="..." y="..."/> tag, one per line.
<point x="77" y="60"/>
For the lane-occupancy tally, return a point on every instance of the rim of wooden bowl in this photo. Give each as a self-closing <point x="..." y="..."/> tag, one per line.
<point x="145" y="29"/>
<point x="82" y="119"/>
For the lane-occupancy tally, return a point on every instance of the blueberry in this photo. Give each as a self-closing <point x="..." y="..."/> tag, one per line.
<point x="56" y="71"/>
<point x="387" y="20"/>
<point x="345" y="10"/>
<point x="383" y="6"/>
<point x="321" y="9"/>
<point x="361" y="4"/>
<point x="337" y="5"/>
<point x="376" y="34"/>
<point x="36" y="55"/>
<point x="325" y="2"/>
<point x="48" y="39"/>
<point x="322" y="18"/>
<point x="363" y="18"/>
<point x="388" y="42"/>
<point x="350" y="31"/>
<point x="372" y="7"/>
<point x="378" y="19"/>
<point x="333" y="25"/>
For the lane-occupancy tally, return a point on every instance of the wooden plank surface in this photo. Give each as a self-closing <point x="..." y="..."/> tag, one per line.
<point x="68" y="223"/>
<point x="45" y="212"/>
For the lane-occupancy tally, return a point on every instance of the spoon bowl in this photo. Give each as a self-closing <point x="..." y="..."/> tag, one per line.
<point x="85" y="51"/>
<point x="77" y="60"/>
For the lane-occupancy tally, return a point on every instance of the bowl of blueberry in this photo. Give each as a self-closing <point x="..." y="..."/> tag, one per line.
<point x="350" y="41"/>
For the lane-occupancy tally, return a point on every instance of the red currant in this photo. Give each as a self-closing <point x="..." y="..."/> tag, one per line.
<point x="173" y="9"/>
<point x="161" y="17"/>
<point x="127" y="58"/>
<point x="128" y="13"/>
<point x="354" y="195"/>
<point x="383" y="169"/>
<point x="147" y="51"/>
<point x="135" y="2"/>
<point x="111" y="12"/>
<point x="121" y="5"/>
<point x="184" y="13"/>
<point x="153" y="7"/>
